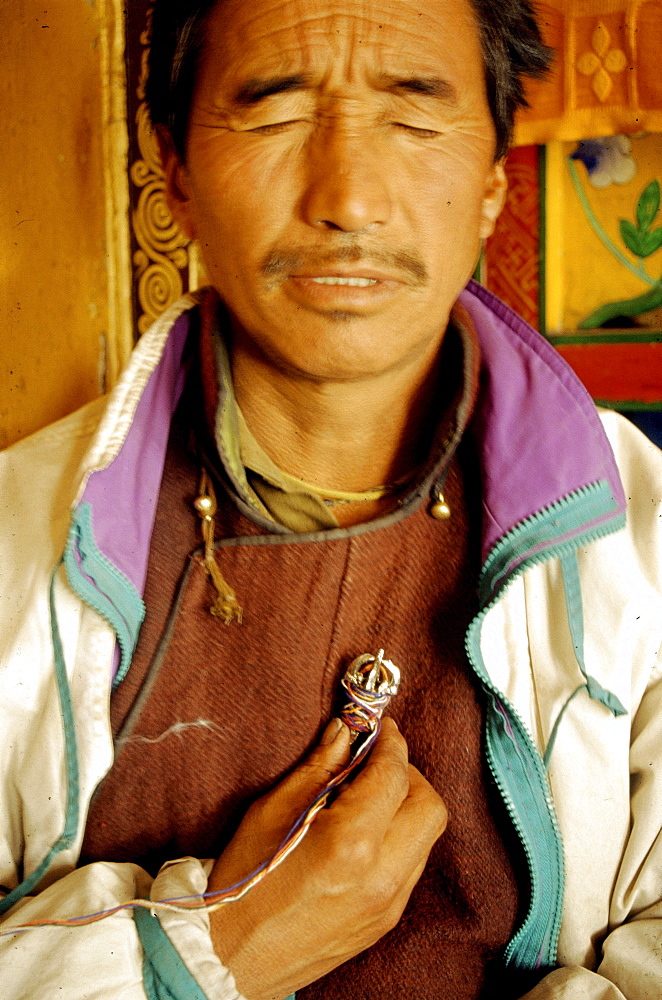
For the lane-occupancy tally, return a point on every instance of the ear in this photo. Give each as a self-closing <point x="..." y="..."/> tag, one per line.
<point x="494" y="196"/>
<point x="177" y="189"/>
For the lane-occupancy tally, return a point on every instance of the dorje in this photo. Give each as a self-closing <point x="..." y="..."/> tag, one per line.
<point x="370" y="682"/>
<point x="375" y="674"/>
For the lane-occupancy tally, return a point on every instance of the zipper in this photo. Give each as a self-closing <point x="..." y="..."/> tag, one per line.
<point x="538" y="537"/>
<point x="535" y="943"/>
<point x="519" y="954"/>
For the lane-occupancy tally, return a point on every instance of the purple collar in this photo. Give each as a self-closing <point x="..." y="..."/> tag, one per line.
<point x="539" y="437"/>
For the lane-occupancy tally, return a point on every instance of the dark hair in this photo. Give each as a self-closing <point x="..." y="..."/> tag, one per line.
<point x="510" y="38"/>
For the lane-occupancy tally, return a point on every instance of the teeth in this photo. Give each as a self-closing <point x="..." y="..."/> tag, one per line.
<point x="353" y="282"/>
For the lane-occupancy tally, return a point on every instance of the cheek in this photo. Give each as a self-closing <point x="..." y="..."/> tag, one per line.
<point x="448" y="188"/>
<point x="236" y="181"/>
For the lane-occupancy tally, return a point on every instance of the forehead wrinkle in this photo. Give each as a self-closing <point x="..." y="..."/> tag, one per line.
<point x="288" y="38"/>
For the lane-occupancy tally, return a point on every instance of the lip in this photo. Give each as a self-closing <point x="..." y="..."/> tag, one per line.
<point x="337" y="298"/>
<point x="371" y="273"/>
<point x="322" y="297"/>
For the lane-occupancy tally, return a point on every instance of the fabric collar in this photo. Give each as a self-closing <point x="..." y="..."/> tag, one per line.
<point x="532" y="413"/>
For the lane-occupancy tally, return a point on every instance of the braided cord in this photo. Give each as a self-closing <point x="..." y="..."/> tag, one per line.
<point x="362" y="714"/>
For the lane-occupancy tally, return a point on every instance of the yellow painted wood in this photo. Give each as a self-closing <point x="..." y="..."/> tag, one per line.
<point x="57" y="291"/>
<point x="555" y="234"/>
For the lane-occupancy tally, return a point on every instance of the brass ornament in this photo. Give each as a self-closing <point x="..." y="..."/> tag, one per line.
<point x="440" y="509"/>
<point x="225" y="604"/>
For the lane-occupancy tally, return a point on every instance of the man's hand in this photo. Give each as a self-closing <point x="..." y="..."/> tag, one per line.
<point x="348" y="881"/>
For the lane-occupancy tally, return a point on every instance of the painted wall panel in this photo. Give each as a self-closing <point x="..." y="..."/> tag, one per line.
<point x="59" y="329"/>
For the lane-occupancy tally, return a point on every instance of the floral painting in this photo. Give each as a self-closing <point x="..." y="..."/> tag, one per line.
<point x="603" y="210"/>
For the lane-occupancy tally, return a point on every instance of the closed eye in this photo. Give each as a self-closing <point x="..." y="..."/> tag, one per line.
<point x="421" y="133"/>
<point x="274" y="128"/>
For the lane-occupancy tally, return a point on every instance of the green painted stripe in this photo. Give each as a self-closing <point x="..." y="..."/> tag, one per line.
<point x="165" y="976"/>
<point x="70" y="830"/>
<point x="629" y="404"/>
<point x="617" y="337"/>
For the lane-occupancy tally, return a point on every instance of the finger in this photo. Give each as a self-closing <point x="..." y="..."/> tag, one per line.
<point x="406" y="849"/>
<point x="418" y="823"/>
<point x="423" y="802"/>
<point x="296" y="792"/>
<point x="378" y="791"/>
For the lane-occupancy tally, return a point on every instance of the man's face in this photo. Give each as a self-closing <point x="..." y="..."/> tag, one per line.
<point x="339" y="176"/>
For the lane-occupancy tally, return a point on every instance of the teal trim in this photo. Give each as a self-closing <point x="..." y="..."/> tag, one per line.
<point x="68" y="835"/>
<point x="520" y="776"/>
<point x="555" y="728"/>
<point x="573" y="599"/>
<point x="165" y="976"/>
<point x="559" y="528"/>
<point x="103" y="586"/>
<point x="514" y="761"/>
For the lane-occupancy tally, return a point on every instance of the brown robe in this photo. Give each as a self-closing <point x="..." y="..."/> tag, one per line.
<point x="211" y="716"/>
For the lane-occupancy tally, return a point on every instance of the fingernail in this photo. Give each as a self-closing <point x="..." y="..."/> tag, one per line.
<point x="330" y="733"/>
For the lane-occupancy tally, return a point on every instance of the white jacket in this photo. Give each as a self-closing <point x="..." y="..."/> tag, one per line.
<point x="543" y="573"/>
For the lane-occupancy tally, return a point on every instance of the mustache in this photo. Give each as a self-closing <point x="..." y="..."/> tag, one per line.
<point x="280" y="263"/>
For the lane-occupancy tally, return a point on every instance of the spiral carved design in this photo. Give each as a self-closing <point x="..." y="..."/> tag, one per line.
<point x="156" y="230"/>
<point x="161" y="263"/>
<point x="160" y="285"/>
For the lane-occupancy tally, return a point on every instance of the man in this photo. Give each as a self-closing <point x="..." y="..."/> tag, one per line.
<point x="333" y="410"/>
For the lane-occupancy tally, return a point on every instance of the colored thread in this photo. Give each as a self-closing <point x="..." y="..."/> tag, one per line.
<point x="370" y="683"/>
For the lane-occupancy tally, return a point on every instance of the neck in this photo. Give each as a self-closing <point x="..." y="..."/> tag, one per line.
<point x="347" y="435"/>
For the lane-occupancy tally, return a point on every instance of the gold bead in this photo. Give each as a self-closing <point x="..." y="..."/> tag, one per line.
<point x="440" y="509"/>
<point x="204" y="506"/>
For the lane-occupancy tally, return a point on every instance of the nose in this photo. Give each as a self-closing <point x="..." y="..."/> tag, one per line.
<point x="347" y="186"/>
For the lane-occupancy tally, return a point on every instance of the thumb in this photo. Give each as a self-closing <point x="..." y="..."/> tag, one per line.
<point x="271" y="816"/>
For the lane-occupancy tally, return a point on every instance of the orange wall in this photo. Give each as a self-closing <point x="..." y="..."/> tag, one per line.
<point x="53" y="277"/>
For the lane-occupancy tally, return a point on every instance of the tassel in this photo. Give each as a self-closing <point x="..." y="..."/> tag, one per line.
<point x="225" y="606"/>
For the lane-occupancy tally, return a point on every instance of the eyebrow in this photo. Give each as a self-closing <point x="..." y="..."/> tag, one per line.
<point x="254" y="91"/>
<point x="429" y="86"/>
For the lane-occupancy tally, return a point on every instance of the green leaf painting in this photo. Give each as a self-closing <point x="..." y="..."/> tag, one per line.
<point x="640" y="239"/>
<point x="632" y="237"/>
<point x="651" y="242"/>
<point x="643" y="241"/>
<point x="648" y="206"/>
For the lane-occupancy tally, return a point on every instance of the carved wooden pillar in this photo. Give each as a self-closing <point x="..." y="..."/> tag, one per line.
<point x="161" y="253"/>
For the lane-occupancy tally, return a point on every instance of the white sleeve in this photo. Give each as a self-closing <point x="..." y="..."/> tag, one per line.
<point x="158" y="957"/>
